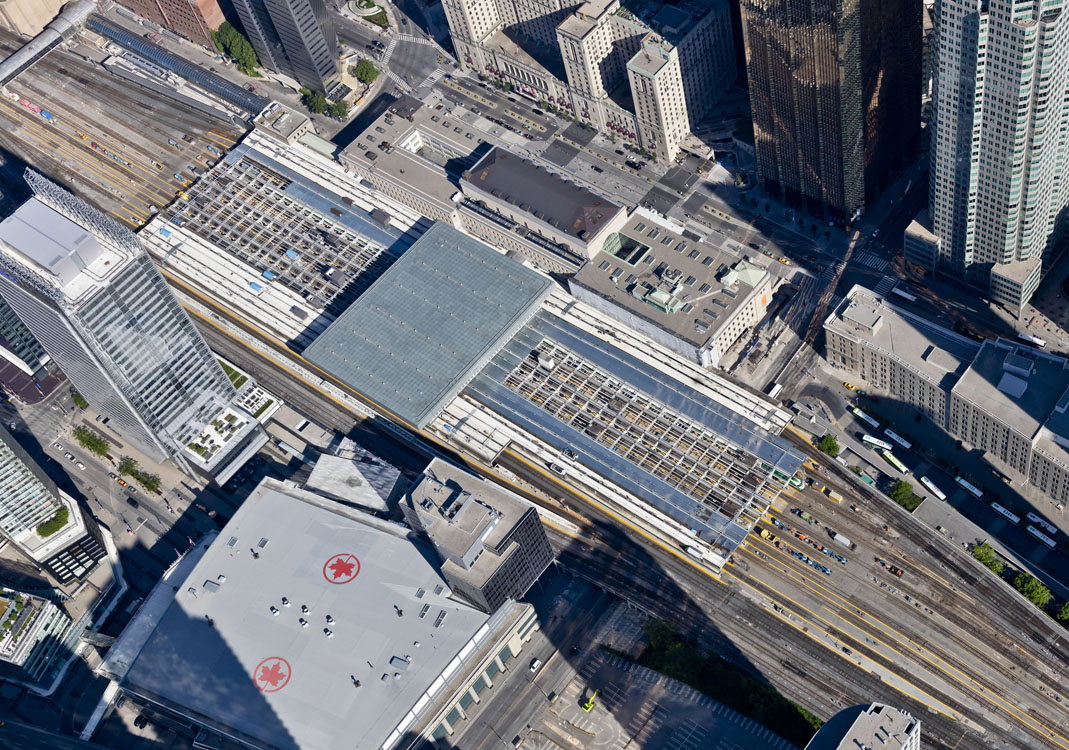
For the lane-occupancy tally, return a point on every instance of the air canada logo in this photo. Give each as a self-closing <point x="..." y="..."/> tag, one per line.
<point x="341" y="568"/>
<point x="272" y="674"/>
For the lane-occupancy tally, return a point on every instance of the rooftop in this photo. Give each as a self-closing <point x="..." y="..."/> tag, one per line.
<point x="567" y="207"/>
<point x="71" y="257"/>
<point x="342" y="479"/>
<point x="874" y="726"/>
<point x="680" y="284"/>
<point x="377" y="611"/>
<point x="462" y="514"/>
<point x="938" y="355"/>
<point x="421" y="331"/>
<point x="1018" y="385"/>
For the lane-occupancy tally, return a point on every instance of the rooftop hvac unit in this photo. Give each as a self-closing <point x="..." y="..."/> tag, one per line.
<point x="546" y="362"/>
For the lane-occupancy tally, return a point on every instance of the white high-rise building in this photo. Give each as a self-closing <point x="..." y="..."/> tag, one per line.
<point x="89" y="293"/>
<point x="998" y="147"/>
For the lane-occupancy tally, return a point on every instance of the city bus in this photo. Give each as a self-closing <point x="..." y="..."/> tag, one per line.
<point x="1047" y="527"/>
<point x="1033" y="340"/>
<point x="903" y="295"/>
<point x="1041" y="536"/>
<point x="865" y="418"/>
<point x="1012" y="518"/>
<point x="969" y="488"/>
<point x="895" y="462"/>
<point x="877" y="442"/>
<point x="898" y="439"/>
<point x="933" y="488"/>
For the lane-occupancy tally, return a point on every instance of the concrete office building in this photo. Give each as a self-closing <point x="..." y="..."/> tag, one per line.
<point x="306" y="624"/>
<point x="491" y="543"/>
<point x="193" y="19"/>
<point x="873" y="726"/>
<point x="28" y="499"/>
<point x="693" y="298"/>
<point x="1004" y="399"/>
<point x="295" y="38"/>
<point x="92" y="297"/>
<point x="997" y="198"/>
<point x="645" y="73"/>
<point x="460" y="341"/>
<point x="834" y="96"/>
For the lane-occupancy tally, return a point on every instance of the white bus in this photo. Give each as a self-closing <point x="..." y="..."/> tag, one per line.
<point x="865" y="418"/>
<point x="890" y="457"/>
<point x="774" y="390"/>
<point x="932" y="488"/>
<point x="1005" y="514"/>
<point x="969" y="488"/>
<point x="904" y="295"/>
<point x="877" y="442"/>
<point x="1047" y="527"/>
<point x="898" y="438"/>
<point x="1033" y="340"/>
<point x="1041" y="536"/>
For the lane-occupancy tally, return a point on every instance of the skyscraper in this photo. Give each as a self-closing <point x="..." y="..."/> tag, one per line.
<point x="833" y="89"/>
<point x="293" y="37"/>
<point x="70" y="546"/>
<point x="91" y="296"/>
<point x="997" y="196"/>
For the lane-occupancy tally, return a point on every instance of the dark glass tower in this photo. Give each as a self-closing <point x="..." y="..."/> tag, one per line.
<point x="293" y="37"/>
<point x="833" y="89"/>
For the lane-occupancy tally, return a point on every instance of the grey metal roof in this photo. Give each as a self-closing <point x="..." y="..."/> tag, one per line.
<point x="488" y="389"/>
<point x="215" y="671"/>
<point x="421" y="331"/>
<point x="50" y="239"/>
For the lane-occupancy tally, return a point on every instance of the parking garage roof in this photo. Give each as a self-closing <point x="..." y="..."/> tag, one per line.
<point x="422" y="331"/>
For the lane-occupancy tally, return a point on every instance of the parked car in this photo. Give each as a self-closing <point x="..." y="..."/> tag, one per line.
<point x="535" y="664"/>
<point x="132" y="503"/>
<point x="57" y="446"/>
<point x="68" y="456"/>
<point x="80" y="465"/>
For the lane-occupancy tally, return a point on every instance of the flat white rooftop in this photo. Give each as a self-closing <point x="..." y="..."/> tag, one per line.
<point x="231" y="653"/>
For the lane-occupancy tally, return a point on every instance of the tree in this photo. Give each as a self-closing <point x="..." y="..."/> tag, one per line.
<point x="91" y="441"/>
<point x="1063" y="613"/>
<point x="901" y="491"/>
<point x="339" y="109"/>
<point x="233" y="43"/>
<point x="985" y="553"/>
<point x="365" y="71"/>
<point x="1032" y="589"/>
<point x="829" y="444"/>
<point x="127" y="466"/>
<point x="79" y="400"/>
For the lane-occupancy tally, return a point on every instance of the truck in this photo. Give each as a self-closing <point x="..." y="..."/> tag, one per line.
<point x="836" y="536"/>
<point x="835" y="496"/>
<point x="46" y="114"/>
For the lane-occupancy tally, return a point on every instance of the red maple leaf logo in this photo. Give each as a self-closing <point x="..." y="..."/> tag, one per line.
<point x="272" y="675"/>
<point x="341" y="568"/>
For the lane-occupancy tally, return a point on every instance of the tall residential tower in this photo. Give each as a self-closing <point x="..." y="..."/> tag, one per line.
<point x="833" y="89"/>
<point x="92" y="297"/>
<point x="997" y="198"/>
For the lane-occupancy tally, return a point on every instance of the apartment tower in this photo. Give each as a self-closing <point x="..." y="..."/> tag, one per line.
<point x="997" y="198"/>
<point x="193" y="19"/>
<point x="88" y="292"/>
<point x="833" y="89"/>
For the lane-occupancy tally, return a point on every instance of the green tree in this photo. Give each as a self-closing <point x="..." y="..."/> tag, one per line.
<point x="1032" y="589"/>
<point x="365" y="71"/>
<point x="339" y="109"/>
<point x="233" y="43"/>
<point x="901" y="491"/>
<point x="150" y="482"/>
<point x="985" y="553"/>
<point x="91" y="441"/>
<point x="1063" y="613"/>
<point x="314" y="100"/>
<point x="127" y="465"/>
<point x="830" y="444"/>
<point x="79" y="400"/>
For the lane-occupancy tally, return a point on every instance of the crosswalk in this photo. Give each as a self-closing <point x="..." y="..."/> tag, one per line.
<point x="885" y="286"/>
<point x="872" y="261"/>
<point x="432" y="79"/>
<point x="389" y="52"/>
<point x="415" y="39"/>
<point x="401" y="82"/>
